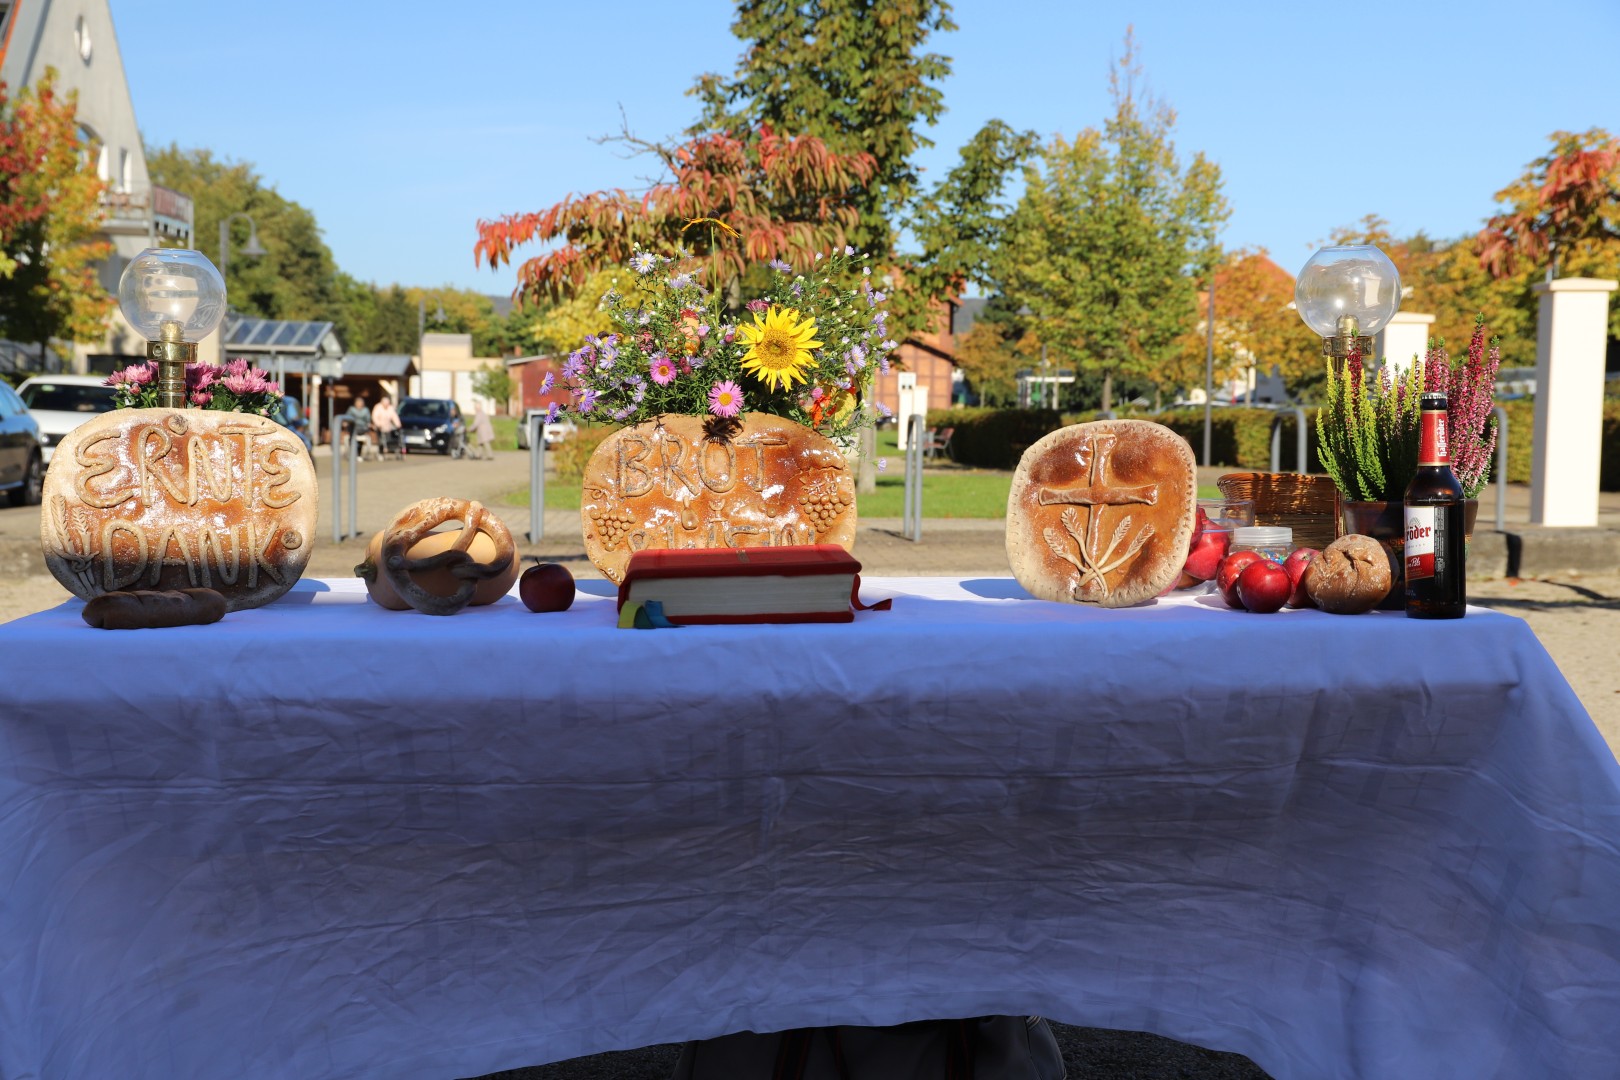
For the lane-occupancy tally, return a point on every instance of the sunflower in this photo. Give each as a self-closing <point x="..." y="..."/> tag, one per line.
<point x="779" y="345"/>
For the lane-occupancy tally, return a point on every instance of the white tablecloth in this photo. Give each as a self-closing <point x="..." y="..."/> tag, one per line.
<point x="323" y="840"/>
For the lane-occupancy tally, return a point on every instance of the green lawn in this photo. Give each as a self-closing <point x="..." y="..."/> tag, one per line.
<point x="947" y="493"/>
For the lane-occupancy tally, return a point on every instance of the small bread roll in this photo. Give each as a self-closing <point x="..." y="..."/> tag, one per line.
<point x="1352" y="575"/>
<point x="144" y="609"/>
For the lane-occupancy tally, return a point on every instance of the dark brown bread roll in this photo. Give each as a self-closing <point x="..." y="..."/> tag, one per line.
<point x="143" y="609"/>
<point x="1352" y="575"/>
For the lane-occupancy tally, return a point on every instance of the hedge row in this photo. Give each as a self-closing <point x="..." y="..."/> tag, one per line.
<point x="1239" y="438"/>
<point x="994" y="438"/>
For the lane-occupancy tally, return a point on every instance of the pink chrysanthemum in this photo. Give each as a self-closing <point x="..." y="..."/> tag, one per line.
<point x="662" y="370"/>
<point x="725" y="399"/>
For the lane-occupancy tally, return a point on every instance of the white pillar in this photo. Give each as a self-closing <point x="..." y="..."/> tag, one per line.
<point x="1405" y="337"/>
<point x="1571" y="335"/>
<point x="912" y="400"/>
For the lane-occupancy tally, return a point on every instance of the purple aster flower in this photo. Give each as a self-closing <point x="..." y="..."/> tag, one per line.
<point x="884" y="411"/>
<point x="662" y="369"/>
<point x="849" y="249"/>
<point x="780" y="267"/>
<point x="587" y="400"/>
<point x="548" y="382"/>
<point x="643" y="262"/>
<point x="725" y="399"/>
<point x="552" y="412"/>
<point x="883" y="464"/>
<point x="680" y="281"/>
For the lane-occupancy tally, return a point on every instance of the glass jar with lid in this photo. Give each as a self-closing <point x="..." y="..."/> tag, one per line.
<point x="1272" y="542"/>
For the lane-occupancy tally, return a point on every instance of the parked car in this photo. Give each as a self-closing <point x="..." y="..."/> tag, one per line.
<point x="551" y="433"/>
<point x="433" y="424"/>
<point x="61" y="403"/>
<point x="22" y="459"/>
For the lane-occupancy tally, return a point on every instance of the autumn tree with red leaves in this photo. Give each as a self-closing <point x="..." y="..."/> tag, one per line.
<point x="50" y="214"/>
<point x="1568" y="200"/>
<point x="807" y="146"/>
<point x="778" y="196"/>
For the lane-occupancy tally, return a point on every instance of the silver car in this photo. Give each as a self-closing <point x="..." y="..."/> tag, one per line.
<point x="22" y="470"/>
<point x="61" y="403"/>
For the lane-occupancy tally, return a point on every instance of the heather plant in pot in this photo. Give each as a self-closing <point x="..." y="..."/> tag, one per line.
<point x="1368" y="428"/>
<point x="1470" y="389"/>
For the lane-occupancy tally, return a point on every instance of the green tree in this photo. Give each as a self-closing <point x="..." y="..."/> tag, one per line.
<point x="465" y="312"/>
<point x="808" y="145"/>
<point x="852" y="73"/>
<point x="961" y="224"/>
<point x="1102" y="246"/>
<point x="991" y="354"/>
<point x="392" y="324"/>
<point x="50" y="216"/>
<point x="494" y="381"/>
<point x="296" y="278"/>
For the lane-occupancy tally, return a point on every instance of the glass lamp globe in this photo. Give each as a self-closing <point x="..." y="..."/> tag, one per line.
<point x="172" y="293"/>
<point x="1353" y="279"/>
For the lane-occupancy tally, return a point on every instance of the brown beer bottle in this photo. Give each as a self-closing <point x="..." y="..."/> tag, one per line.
<point x="1435" y="574"/>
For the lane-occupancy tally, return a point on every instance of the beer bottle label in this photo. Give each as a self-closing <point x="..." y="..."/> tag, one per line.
<point x="1432" y="448"/>
<point x="1420" y="522"/>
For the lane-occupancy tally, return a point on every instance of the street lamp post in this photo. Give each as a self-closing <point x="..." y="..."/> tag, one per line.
<point x="252" y="249"/>
<point x="421" y="327"/>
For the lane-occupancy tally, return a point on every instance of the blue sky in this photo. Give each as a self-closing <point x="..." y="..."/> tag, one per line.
<point x="401" y="124"/>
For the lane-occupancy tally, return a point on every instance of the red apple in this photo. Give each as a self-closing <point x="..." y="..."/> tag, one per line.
<point x="1299" y="560"/>
<point x="546" y="587"/>
<point x="1208" y="549"/>
<point x="1226" y="578"/>
<point x="1263" y="587"/>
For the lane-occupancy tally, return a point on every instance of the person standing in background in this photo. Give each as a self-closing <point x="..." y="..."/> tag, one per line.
<point x="358" y="419"/>
<point x="385" y="422"/>
<point x="483" y="433"/>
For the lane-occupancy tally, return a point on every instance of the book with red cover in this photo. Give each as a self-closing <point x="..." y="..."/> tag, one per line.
<point x="792" y="583"/>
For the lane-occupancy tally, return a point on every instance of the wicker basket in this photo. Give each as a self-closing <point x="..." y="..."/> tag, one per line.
<point x="1307" y="504"/>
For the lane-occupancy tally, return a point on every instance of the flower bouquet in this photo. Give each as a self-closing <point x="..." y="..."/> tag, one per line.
<point x="807" y="350"/>
<point x="230" y="387"/>
<point x="736" y="423"/>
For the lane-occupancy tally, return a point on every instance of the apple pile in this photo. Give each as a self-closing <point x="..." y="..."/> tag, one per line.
<point x="1251" y="582"/>
<point x="1204" y="555"/>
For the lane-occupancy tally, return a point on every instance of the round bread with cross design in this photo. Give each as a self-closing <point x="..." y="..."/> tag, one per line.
<point x="1102" y="513"/>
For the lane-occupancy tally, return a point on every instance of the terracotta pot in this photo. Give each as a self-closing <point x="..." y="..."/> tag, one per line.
<point x="1386" y="523"/>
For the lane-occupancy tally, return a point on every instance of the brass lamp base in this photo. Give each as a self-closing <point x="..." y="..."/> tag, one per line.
<point x="172" y="358"/>
<point x="1340" y="347"/>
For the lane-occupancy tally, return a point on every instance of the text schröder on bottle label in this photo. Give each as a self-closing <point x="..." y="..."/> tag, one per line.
<point x="1419" y="548"/>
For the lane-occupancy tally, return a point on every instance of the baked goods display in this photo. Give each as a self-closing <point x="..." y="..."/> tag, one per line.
<point x="174" y="499"/>
<point x="1351" y="576"/>
<point x="145" y="609"/>
<point x="412" y="564"/>
<point x="1102" y="513"/>
<point x="705" y="482"/>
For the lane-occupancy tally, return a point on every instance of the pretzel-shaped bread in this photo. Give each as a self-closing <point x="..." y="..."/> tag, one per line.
<point x="421" y="518"/>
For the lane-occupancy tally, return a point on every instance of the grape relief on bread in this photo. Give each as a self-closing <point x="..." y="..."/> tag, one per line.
<point x="1102" y="513"/>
